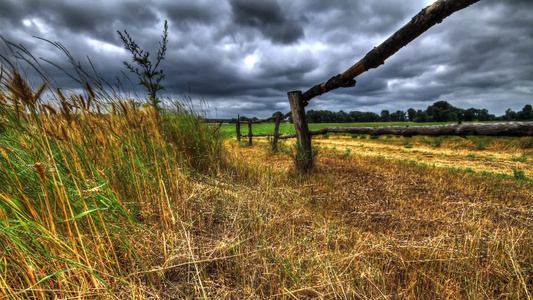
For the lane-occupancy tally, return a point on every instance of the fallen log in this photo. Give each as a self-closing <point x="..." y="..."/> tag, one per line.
<point x="486" y="129"/>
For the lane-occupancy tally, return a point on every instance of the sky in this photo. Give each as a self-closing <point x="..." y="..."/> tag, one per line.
<point x="243" y="56"/>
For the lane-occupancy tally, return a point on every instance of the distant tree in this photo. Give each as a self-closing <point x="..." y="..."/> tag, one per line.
<point x="526" y="113"/>
<point x="371" y="117"/>
<point x="312" y="116"/>
<point x="421" y="116"/>
<point x="356" y="116"/>
<point x="278" y="112"/>
<point x="274" y="115"/>
<point x="471" y="114"/>
<point x="342" y="117"/>
<point x="484" y="115"/>
<point x="150" y="75"/>
<point x="402" y="116"/>
<point x="411" y="114"/>
<point x="442" y="111"/>
<point x="509" y="115"/>
<point x="385" y="116"/>
<point x="394" y="117"/>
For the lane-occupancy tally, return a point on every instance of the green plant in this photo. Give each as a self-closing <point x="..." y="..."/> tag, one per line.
<point x="303" y="159"/>
<point x="374" y="137"/>
<point x="348" y="151"/>
<point x="408" y="146"/>
<point x="519" y="175"/>
<point x="481" y="142"/>
<point x="326" y="136"/>
<point x="437" y="142"/>
<point x="522" y="158"/>
<point x="150" y="75"/>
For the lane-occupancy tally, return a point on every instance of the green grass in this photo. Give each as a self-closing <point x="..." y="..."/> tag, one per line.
<point x="229" y="130"/>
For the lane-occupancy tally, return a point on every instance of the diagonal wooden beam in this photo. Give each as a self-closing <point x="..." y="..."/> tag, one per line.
<point x="420" y="23"/>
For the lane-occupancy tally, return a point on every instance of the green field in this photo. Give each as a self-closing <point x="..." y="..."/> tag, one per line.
<point x="288" y="128"/>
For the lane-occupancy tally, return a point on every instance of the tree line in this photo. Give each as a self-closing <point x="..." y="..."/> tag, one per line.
<point x="440" y="111"/>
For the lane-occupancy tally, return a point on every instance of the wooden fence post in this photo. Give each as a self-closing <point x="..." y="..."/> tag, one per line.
<point x="276" y="133"/>
<point x="249" y="132"/>
<point x="238" y="128"/>
<point x="304" y="154"/>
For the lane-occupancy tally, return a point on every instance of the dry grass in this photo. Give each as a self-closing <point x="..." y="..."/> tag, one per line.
<point x="362" y="227"/>
<point x="128" y="204"/>
<point x="502" y="155"/>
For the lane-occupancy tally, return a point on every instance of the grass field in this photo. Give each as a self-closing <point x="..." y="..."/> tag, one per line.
<point x="122" y="203"/>
<point x="287" y="128"/>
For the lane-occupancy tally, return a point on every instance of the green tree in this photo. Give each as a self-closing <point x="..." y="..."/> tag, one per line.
<point x="411" y="114"/>
<point x="149" y="74"/>
<point x="401" y="115"/>
<point x="442" y="111"/>
<point x="526" y="113"/>
<point x="510" y="115"/>
<point x="421" y="116"/>
<point x="394" y="117"/>
<point x="484" y="115"/>
<point x="385" y="116"/>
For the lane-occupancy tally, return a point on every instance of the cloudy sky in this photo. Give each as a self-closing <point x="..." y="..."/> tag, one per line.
<point x="243" y="56"/>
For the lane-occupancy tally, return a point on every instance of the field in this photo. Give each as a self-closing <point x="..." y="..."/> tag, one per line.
<point x="130" y="203"/>
<point x="287" y="128"/>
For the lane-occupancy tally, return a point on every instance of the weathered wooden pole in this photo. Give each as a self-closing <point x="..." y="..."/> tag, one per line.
<point x="276" y="133"/>
<point x="238" y="128"/>
<point x="249" y="132"/>
<point x="304" y="152"/>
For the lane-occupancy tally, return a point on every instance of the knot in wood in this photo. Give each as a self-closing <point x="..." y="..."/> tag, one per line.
<point x="338" y="81"/>
<point x="373" y="59"/>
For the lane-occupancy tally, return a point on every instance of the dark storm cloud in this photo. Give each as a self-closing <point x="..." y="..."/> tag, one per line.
<point x="267" y="17"/>
<point x="243" y="56"/>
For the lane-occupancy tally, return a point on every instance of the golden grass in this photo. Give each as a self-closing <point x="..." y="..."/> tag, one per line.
<point x="362" y="227"/>
<point x="500" y="156"/>
<point x="127" y="204"/>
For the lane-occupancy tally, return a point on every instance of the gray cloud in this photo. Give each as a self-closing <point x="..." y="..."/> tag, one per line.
<point x="243" y="56"/>
<point x="267" y="17"/>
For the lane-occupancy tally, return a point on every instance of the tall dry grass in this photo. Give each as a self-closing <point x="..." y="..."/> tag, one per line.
<point x="86" y="186"/>
<point x="102" y="200"/>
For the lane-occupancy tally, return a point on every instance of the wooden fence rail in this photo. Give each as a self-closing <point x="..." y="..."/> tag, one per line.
<point x="421" y="22"/>
<point x="277" y="118"/>
<point x="493" y="129"/>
